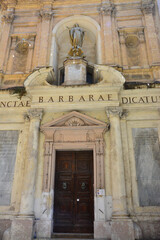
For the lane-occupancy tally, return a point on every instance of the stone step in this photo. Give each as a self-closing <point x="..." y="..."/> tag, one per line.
<point x="64" y="239"/>
<point x="73" y="235"/>
<point x="69" y="236"/>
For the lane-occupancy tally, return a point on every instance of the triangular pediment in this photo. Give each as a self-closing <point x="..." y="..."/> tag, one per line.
<point x="74" y="119"/>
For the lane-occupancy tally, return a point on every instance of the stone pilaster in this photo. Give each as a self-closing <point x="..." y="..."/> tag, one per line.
<point x="118" y="182"/>
<point x="27" y="201"/>
<point x="121" y="226"/>
<point x="106" y="12"/>
<point x="123" y="49"/>
<point x="22" y="225"/>
<point x="144" y="60"/>
<point x="151" y="36"/>
<point x="7" y="20"/>
<point x="46" y="15"/>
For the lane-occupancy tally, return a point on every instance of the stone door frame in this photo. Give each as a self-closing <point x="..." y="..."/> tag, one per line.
<point x="75" y="131"/>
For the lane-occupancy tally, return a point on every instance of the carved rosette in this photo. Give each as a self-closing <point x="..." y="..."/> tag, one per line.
<point x="46" y="14"/>
<point x="74" y="122"/>
<point x="35" y="114"/>
<point x="147" y="7"/>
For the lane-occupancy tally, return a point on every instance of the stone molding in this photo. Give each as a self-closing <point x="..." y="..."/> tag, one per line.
<point x="46" y="14"/>
<point x="69" y="132"/>
<point x="35" y="113"/>
<point x="130" y="33"/>
<point x="147" y="7"/>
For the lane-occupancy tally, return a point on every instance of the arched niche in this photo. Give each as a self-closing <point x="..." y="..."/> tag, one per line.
<point x="61" y="42"/>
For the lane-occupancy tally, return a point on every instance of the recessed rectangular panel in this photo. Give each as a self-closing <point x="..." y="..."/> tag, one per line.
<point x="8" y="149"/>
<point x="147" y="156"/>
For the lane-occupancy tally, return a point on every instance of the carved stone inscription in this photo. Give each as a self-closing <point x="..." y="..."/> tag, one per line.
<point x="8" y="148"/>
<point x="147" y="157"/>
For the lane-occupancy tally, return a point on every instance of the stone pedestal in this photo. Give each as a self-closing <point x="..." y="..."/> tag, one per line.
<point x="122" y="229"/>
<point x="22" y="228"/>
<point x="75" y="71"/>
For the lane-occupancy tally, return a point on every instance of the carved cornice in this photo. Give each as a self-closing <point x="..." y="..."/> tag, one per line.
<point x="46" y="14"/>
<point x="35" y="114"/>
<point x="147" y="6"/>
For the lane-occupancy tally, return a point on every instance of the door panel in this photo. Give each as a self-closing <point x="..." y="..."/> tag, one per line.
<point x="73" y="205"/>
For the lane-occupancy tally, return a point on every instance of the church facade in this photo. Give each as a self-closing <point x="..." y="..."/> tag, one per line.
<point x="80" y="119"/>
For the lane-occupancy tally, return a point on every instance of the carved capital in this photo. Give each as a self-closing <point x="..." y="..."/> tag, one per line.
<point x="26" y="117"/>
<point x="46" y="14"/>
<point x="147" y="6"/>
<point x="122" y="36"/>
<point x="35" y="114"/>
<point x="106" y="10"/>
<point x="8" y="17"/>
<point x="114" y="111"/>
<point x="141" y="36"/>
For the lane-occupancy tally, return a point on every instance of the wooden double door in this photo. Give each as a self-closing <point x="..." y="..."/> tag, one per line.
<point x="74" y="200"/>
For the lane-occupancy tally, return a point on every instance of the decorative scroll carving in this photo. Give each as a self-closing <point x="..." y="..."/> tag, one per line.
<point x="147" y="6"/>
<point x="74" y="122"/>
<point x="114" y="111"/>
<point x="46" y="14"/>
<point x="141" y="36"/>
<point x="132" y="41"/>
<point x="8" y="17"/>
<point x="35" y="113"/>
<point x="106" y="10"/>
<point x="22" y="46"/>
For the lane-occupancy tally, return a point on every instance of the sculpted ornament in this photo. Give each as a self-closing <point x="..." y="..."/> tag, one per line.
<point x="147" y="6"/>
<point x="114" y="111"/>
<point x="74" y="122"/>
<point x="46" y="14"/>
<point x="8" y="17"/>
<point x="106" y="10"/>
<point x="76" y="34"/>
<point x="35" y="113"/>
